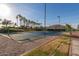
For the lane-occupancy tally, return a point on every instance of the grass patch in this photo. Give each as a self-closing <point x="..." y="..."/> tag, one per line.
<point x="58" y="53"/>
<point x="52" y="48"/>
<point x="38" y="53"/>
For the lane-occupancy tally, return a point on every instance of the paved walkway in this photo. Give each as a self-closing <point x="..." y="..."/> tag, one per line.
<point x="75" y="44"/>
<point x="75" y="47"/>
<point x="9" y="47"/>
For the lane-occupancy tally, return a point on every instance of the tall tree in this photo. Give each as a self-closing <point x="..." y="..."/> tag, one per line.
<point x="19" y="18"/>
<point x="6" y="23"/>
<point x="68" y="27"/>
<point x="24" y="21"/>
<point x="0" y="19"/>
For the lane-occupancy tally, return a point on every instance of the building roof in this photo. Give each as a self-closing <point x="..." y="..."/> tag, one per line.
<point x="56" y="27"/>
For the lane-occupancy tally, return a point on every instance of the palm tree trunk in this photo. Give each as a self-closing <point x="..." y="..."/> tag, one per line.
<point x="7" y="29"/>
<point x="20" y="23"/>
<point x="17" y="22"/>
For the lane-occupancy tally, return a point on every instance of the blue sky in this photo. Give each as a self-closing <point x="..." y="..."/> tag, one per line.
<point x="69" y="13"/>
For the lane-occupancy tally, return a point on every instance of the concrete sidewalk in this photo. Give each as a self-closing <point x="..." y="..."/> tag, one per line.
<point x="9" y="47"/>
<point x="75" y="47"/>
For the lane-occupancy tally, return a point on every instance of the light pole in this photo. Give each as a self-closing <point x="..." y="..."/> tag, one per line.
<point x="59" y="19"/>
<point x="59" y="22"/>
<point x="45" y="18"/>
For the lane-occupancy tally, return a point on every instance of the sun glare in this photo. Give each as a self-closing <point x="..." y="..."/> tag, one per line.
<point x="4" y="10"/>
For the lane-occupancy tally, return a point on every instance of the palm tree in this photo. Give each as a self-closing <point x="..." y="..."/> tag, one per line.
<point x="6" y="23"/>
<point x="28" y="23"/>
<point x="24" y="21"/>
<point x="0" y="19"/>
<point x="19" y="17"/>
<point x="68" y="27"/>
<point x="34" y="23"/>
<point x="15" y="25"/>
